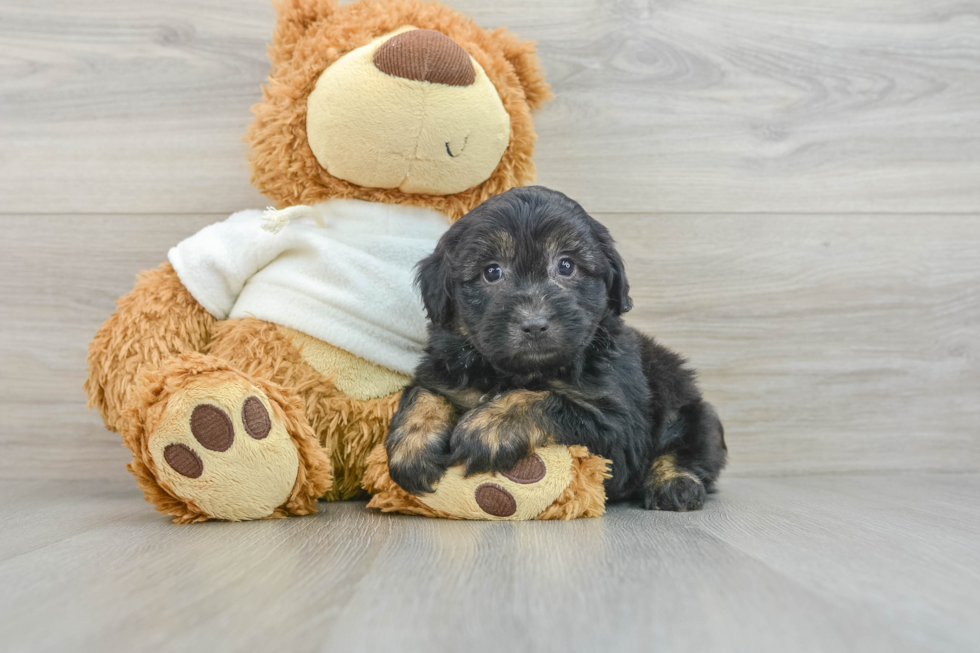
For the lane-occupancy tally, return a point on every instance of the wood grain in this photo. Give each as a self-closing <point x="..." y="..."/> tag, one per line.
<point x="867" y="106"/>
<point x="828" y="343"/>
<point x="794" y="187"/>
<point x="60" y="277"/>
<point x="766" y="566"/>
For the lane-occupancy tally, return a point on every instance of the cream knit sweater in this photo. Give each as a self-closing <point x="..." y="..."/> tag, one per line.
<point x="341" y="271"/>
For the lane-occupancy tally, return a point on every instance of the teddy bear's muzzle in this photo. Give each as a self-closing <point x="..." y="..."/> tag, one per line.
<point x="411" y="110"/>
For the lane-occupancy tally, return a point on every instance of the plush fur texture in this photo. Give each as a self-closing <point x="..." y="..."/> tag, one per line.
<point x="157" y="388"/>
<point x="310" y="35"/>
<point x="353" y="376"/>
<point x="581" y="493"/>
<point x="157" y="321"/>
<point x="159" y="330"/>
<point x="525" y="296"/>
<point x="376" y="130"/>
<point x="347" y="428"/>
<point x="569" y="485"/>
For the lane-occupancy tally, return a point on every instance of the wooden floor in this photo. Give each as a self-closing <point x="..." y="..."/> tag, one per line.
<point x="795" y="188"/>
<point x="821" y="563"/>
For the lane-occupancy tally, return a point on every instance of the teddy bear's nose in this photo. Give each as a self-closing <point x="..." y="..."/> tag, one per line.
<point x="425" y="55"/>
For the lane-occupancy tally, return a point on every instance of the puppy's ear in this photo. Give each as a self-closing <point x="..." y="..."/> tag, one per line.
<point x="617" y="286"/>
<point x="434" y="282"/>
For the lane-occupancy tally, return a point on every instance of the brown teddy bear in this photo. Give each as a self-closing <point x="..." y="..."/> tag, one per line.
<point x="256" y="371"/>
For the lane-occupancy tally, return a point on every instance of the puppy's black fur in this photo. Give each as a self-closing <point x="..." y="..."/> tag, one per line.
<point x="527" y="347"/>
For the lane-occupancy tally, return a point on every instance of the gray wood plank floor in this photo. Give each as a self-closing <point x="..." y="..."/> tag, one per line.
<point x="823" y="563"/>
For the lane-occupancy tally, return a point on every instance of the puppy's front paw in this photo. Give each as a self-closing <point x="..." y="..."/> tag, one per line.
<point x="418" y="441"/>
<point x="417" y="473"/>
<point x="495" y="437"/>
<point x="487" y="447"/>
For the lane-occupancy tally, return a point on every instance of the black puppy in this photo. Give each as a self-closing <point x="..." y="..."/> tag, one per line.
<point x="527" y="348"/>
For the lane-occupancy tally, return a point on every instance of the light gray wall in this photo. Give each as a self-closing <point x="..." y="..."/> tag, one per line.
<point x="796" y="190"/>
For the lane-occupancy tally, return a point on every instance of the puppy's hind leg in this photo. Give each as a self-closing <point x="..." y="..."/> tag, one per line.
<point x="691" y="454"/>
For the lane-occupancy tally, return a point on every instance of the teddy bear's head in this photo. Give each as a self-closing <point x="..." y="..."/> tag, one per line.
<point x="398" y="101"/>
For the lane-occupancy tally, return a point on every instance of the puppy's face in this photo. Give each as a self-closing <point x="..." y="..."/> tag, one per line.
<point x="526" y="277"/>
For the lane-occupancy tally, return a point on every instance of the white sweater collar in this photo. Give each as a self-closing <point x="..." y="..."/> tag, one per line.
<point x="358" y="217"/>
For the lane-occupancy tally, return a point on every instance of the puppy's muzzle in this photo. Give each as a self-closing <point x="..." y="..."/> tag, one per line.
<point x="535" y="326"/>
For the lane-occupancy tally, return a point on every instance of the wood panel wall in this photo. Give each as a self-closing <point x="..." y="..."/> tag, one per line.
<point x="795" y="188"/>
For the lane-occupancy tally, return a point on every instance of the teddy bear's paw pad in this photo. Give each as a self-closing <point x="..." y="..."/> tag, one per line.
<point x="521" y="492"/>
<point x="495" y="500"/>
<point x="221" y="448"/>
<point x="528" y="470"/>
<point x="212" y="427"/>
<point x="256" y="418"/>
<point x="183" y="460"/>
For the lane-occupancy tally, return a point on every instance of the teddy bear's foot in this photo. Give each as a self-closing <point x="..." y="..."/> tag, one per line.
<point x="221" y="449"/>
<point x="212" y="443"/>
<point x="554" y="482"/>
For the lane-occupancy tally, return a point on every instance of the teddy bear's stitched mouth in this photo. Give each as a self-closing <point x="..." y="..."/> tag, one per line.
<point x="450" y="152"/>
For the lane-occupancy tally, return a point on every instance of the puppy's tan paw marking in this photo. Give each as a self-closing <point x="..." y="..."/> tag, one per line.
<point x="184" y="460"/>
<point x="495" y="500"/>
<point x="212" y="427"/>
<point x="527" y="471"/>
<point x="256" y="418"/>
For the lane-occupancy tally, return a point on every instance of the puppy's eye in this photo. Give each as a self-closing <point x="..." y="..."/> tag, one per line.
<point x="565" y="267"/>
<point x="493" y="273"/>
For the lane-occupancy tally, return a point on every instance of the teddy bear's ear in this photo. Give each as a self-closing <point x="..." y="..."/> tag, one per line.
<point x="522" y="56"/>
<point x="295" y="17"/>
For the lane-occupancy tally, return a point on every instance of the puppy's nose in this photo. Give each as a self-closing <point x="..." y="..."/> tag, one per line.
<point x="534" y="326"/>
<point x="425" y="55"/>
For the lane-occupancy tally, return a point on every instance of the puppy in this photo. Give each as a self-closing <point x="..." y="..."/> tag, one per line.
<point x="527" y="347"/>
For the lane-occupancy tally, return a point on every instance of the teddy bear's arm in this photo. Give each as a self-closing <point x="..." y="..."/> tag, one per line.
<point x="156" y="321"/>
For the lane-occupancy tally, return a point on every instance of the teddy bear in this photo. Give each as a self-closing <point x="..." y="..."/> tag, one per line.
<point x="256" y="371"/>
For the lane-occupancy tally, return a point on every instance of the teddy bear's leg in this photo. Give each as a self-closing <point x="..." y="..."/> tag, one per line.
<point x="210" y="442"/>
<point x="413" y="471"/>
<point x="158" y="320"/>
<point x="348" y="401"/>
<point x="554" y="482"/>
